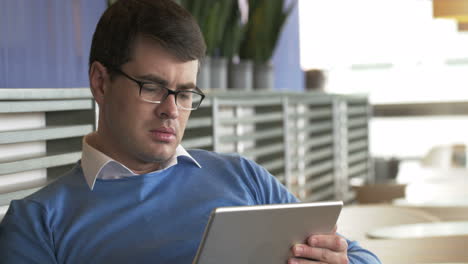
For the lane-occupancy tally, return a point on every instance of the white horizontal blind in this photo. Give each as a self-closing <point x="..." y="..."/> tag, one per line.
<point x="313" y="138"/>
<point x="313" y="143"/>
<point x="359" y="161"/>
<point x="40" y="137"/>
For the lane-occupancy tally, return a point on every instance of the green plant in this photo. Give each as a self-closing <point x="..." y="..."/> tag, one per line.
<point x="212" y="16"/>
<point x="266" y="19"/>
<point x="233" y="34"/>
<point x="110" y="2"/>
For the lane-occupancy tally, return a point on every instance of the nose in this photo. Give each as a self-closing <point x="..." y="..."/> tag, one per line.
<point x="168" y="109"/>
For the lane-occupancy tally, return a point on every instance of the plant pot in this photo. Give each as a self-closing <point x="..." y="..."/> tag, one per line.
<point x="240" y="75"/>
<point x="263" y="76"/>
<point x="203" y="79"/>
<point x="218" y="73"/>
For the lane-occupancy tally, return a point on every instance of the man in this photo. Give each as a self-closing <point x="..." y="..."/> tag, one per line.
<point x="137" y="196"/>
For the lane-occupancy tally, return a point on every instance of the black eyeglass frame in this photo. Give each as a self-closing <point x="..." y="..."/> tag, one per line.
<point x="169" y="91"/>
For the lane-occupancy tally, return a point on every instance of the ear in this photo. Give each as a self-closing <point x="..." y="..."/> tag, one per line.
<point x="98" y="80"/>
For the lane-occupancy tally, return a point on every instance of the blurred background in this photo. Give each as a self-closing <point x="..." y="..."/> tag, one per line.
<point x="364" y="101"/>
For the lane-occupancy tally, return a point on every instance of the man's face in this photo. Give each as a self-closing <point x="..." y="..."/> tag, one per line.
<point x="138" y="133"/>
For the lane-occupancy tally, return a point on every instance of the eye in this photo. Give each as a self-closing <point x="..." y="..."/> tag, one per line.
<point x="152" y="88"/>
<point x="185" y="95"/>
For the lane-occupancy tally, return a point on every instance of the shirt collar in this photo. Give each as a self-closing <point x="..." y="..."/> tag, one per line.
<point x="96" y="164"/>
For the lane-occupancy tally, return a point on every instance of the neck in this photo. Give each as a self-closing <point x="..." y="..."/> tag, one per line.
<point x="99" y="142"/>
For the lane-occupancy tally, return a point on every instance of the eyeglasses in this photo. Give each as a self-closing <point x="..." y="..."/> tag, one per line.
<point x="156" y="93"/>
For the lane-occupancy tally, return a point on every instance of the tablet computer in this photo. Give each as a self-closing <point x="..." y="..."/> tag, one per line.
<point x="263" y="233"/>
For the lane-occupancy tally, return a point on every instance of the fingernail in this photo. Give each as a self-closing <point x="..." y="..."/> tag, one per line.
<point x="298" y="250"/>
<point x="293" y="261"/>
<point x="314" y="241"/>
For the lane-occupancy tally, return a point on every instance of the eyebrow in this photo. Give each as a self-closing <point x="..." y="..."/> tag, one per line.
<point x="158" y="80"/>
<point x="154" y="79"/>
<point x="188" y="86"/>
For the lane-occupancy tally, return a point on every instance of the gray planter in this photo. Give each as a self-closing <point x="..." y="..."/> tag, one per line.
<point x="263" y="76"/>
<point x="240" y="75"/>
<point x="203" y="79"/>
<point x="218" y="71"/>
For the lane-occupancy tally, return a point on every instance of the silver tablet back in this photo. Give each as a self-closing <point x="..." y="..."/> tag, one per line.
<point x="263" y="233"/>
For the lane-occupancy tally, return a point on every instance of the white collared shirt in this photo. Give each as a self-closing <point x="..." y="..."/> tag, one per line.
<point x="96" y="164"/>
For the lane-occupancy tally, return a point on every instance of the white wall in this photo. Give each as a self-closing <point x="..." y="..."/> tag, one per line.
<point x="394" y="51"/>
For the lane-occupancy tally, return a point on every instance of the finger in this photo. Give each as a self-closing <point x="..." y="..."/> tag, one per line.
<point x="332" y="242"/>
<point x="319" y="255"/>
<point x="303" y="261"/>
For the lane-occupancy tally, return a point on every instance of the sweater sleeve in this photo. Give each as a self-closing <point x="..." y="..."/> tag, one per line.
<point x="270" y="191"/>
<point x="25" y="236"/>
<point x="359" y="255"/>
<point x="265" y="188"/>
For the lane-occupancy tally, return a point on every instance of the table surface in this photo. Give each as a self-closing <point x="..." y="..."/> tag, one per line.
<point x="422" y="230"/>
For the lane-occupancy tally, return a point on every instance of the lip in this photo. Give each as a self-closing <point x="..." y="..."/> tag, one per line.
<point x="163" y="134"/>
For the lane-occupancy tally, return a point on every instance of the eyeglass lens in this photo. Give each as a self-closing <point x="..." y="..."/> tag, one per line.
<point x="184" y="99"/>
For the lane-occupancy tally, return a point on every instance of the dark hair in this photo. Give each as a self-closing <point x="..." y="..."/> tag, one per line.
<point x="165" y="21"/>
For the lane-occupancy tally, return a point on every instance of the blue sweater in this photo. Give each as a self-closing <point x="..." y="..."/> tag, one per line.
<point x="152" y="218"/>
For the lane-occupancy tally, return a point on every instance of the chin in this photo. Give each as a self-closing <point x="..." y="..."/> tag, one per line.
<point x="161" y="156"/>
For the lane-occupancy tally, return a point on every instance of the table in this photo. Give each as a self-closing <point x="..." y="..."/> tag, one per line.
<point x="450" y="249"/>
<point x="422" y="230"/>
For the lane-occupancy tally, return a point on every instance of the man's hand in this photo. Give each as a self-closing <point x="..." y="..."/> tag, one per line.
<point x="330" y="248"/>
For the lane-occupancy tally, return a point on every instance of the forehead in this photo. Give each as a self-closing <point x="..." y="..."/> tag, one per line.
<point x="149" y="57"/>
<point x="144" y="49"/>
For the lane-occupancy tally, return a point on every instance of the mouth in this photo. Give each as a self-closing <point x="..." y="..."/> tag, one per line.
<point x="163" y="134"/>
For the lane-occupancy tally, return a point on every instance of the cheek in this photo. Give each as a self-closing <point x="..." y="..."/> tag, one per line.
<point x="183" y="119"/>
<point x="124" y="112"/>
